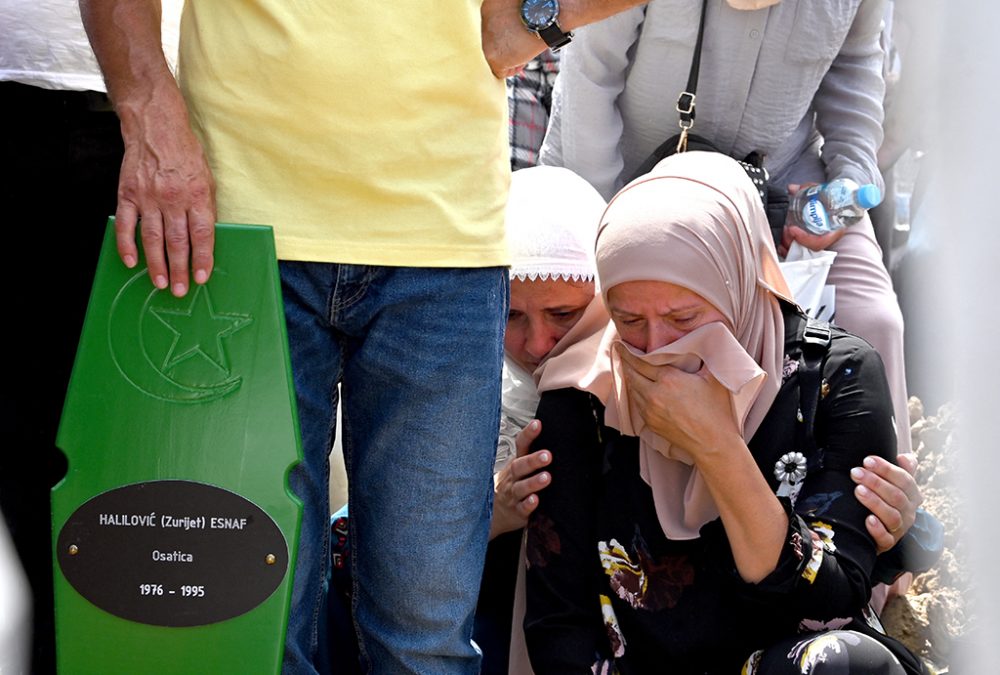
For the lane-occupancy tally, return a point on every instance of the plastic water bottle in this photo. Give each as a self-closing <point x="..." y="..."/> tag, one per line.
<point x="823" y="208"/>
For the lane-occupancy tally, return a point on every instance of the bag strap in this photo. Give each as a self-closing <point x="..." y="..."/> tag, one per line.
<point x="815" y="343"/>
<point x="685" y="102"/>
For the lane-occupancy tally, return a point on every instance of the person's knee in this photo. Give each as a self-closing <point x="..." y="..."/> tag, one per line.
<point x="830" y="653"/>
<point x="878" y="320"/>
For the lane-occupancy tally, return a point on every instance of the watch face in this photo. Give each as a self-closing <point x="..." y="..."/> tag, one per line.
<point x="539" y="14"/>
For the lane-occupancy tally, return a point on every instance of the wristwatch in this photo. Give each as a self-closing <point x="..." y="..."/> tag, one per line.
<point x="540" y="16"/>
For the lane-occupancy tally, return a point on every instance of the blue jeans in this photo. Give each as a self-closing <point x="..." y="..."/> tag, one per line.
<point x="417" y="352"/>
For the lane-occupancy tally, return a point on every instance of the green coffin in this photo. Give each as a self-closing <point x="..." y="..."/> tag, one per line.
<point x="174" y="531"/>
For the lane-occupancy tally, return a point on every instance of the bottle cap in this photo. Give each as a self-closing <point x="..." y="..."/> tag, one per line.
<point x="869" y="196"/>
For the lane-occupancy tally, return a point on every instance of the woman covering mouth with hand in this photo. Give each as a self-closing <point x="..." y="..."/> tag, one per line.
<point x="701" y="516"/>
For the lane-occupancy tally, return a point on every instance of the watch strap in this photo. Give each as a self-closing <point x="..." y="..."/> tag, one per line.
<point x="554" y="36"/>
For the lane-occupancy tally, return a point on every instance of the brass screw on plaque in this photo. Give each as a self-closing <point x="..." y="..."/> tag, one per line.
<point x="73" y="550"/>
<point x="270" y="559"/>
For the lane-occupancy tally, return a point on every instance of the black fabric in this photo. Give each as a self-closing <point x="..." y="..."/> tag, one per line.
<point x="776" y="208"/>
<point x="61" y="149"/>
<point x="344" y="652"/>
<point x="681" y="605"/>
<point x="774" y="198"/>
<point x="495" y="609"/>
<point x="842" y="652"/>
<point x="815" y="344"/>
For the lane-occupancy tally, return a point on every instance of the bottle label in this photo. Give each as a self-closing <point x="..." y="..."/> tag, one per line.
<point x="814" y="215"/>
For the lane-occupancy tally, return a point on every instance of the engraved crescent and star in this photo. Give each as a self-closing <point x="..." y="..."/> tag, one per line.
<point x="198" y="332"/>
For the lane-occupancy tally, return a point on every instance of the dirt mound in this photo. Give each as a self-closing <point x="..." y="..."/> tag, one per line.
<point x="937" y="610"/>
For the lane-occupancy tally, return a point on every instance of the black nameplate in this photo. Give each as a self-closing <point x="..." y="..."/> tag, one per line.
<point x="172" y="553"/>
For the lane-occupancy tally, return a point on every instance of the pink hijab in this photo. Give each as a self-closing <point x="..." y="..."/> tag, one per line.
<point x="695" y="221"/>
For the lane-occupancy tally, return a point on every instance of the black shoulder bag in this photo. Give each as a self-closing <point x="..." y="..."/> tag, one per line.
<point x="774" y="198"/>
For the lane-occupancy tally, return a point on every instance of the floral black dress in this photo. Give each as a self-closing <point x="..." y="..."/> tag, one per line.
<point x="607" y="591"/>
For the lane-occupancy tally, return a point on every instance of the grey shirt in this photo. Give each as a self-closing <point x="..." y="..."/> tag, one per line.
<point x="781" y="80"/>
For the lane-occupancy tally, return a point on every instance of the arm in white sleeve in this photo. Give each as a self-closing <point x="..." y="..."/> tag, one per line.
<point x="848" y="103"/>
<point x="585" y="128"/>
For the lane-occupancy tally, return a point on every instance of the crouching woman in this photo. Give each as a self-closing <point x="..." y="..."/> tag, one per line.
<point x="701" y="516"/>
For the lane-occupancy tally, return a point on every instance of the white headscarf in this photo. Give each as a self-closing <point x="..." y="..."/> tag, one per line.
<point x="552" y="217"/>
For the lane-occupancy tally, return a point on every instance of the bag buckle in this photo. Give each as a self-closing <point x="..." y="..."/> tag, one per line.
<point x="816" y="333"/>
<point x="685" y="106"/>
<point x="685" y="103"/>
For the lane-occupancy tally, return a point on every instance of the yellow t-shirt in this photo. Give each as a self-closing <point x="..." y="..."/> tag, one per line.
<point x="363" y="132"/>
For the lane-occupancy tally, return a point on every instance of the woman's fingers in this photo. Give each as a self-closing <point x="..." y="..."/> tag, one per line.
<point x="891" y="494"/>
<point x="884" y="540"/>
<point x="908" y="461"/>
<point x="527" y="478"/>
<point x="526" y="436"/>
<point x="637" y="365"/>
<point x="896" y="483"/>
<point x="515" y="497"/>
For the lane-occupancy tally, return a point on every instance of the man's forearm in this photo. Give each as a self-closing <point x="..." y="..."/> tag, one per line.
<point x="165" y="185"/>
<point x="576" y="13"/>
<point x="125" y="36"/>
<point x="508" y="44"/>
